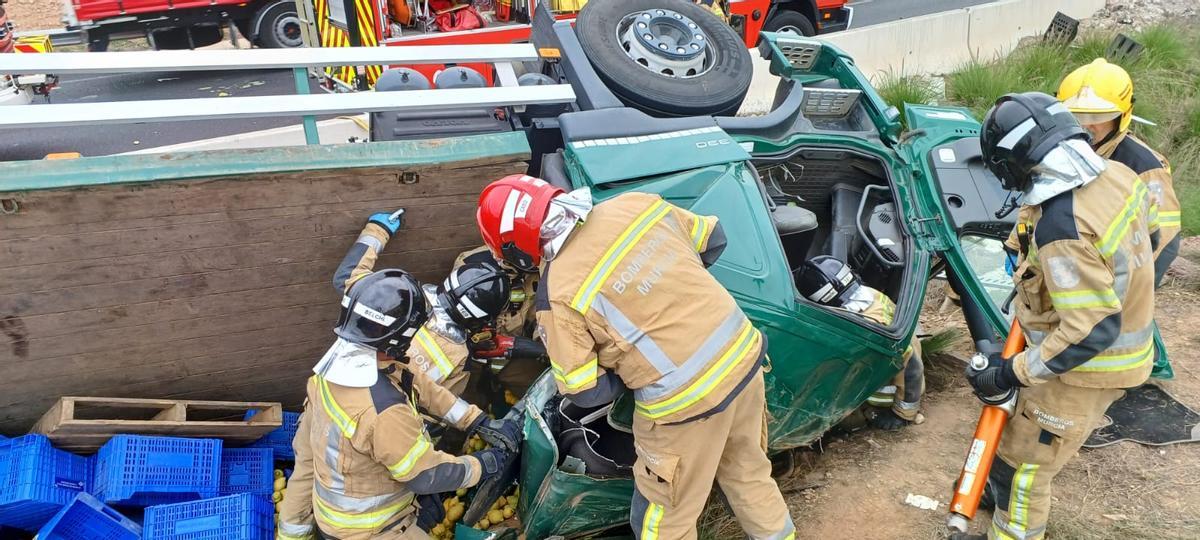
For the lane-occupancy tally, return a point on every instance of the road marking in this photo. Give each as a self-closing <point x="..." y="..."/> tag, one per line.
<point x="859" y="2"/>
<point x="86" y="79"/>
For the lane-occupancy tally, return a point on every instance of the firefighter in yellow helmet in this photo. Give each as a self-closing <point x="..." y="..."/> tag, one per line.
<point x="1100" y="95"/>
<point x="1085" y="300"/>
<point x="626" y="301"/>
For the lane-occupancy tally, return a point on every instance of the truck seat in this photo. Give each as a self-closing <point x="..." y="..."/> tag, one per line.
<point x="554" y="170"/>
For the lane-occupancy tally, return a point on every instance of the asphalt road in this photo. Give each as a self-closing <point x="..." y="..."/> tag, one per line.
<point x="104" y="140"/>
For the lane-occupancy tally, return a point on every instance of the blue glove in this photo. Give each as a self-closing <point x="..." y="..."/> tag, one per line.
<point x="492" y="462"/>
<point x="1010" y="263"/>
<point x="503" y="433"/>
<point x="384" y="219"/>
<point x="430" y="511"/>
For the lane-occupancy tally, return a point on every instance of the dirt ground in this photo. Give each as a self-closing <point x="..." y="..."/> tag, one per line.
<point x="34" y="14"/>
<point x="854" y="486"/>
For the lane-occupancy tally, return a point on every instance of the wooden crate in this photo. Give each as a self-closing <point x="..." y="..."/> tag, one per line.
<point x="84" y="424"/>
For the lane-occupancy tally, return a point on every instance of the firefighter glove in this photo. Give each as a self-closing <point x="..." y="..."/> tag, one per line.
<point x="995" y="380"/>
<point x="505" y="433"/>
<point x="430" y="511"/>
<point x="524" y="348"/>
<point x="390" y="221"/>
<point x="1010" y="262"/>
<point x="491" y="462"/>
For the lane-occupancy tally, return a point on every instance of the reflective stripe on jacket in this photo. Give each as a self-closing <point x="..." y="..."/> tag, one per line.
<point x="629" y="293"/>
<point x="1085" y="285"/>
<point x="1155" y="172"/>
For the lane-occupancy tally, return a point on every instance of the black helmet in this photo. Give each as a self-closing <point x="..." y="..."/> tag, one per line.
<point x="1019" y="130"/>
<point x="826" y="280"/>
<point x="474" y="294"/>
<point x="383" y="310"/>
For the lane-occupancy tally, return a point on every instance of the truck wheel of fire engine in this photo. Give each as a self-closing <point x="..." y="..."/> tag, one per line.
<point x="666" y="57"/>
<point x="786" y="20"/>
<point x="279" y="26"/>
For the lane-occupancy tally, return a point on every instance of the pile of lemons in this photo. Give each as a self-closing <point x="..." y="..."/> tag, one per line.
<point x="504" y="508"/>
<point x="280" y="488"/>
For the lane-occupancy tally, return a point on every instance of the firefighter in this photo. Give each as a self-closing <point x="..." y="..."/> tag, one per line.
<point x="1085" y="298"/>
<point x="516" y="359"/>
<point x="626" y="301"/>
<point x="464" y="307"/>
<point x="1100" y="95"/>
<point x="370" y="464"/>
<point x="830" y="282"/>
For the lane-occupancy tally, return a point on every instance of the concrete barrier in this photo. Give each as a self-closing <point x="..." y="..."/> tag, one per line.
<point x="935" y="43"/>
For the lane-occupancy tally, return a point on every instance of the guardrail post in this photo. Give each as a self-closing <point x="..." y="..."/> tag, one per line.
<point x="310" y="122"/>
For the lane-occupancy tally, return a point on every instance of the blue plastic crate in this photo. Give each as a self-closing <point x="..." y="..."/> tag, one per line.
<point x="236" y="517"/>
<point x="280" y="440"/>
<point x="247" y="470"/>
<point x="140" y="471"/>
<point x="86" y="518"/>
<point x="36" y="480"/>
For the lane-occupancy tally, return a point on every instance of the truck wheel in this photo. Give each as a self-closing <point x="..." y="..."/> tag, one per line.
<point x="786" y="20"/>
<point x="244" y="28"/>
<point x="97" y="42"/>
<point x="666" y="57"/>
<point x="279" y="26"/>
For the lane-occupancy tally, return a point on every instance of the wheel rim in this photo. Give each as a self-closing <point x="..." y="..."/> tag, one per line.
<point x="789" y="29"/>
<point x="287" y="30"/>
<point x="667" y="43"/>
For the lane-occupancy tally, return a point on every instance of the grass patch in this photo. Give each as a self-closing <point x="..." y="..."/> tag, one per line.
<point x="896" y="90"/>
<point x="1166" y="80"/>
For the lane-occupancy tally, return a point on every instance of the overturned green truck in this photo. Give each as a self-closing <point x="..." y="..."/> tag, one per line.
<point x="206" y="273"/>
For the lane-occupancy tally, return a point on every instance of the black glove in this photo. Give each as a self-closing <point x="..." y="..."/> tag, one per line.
<point x="524" y="348"/>
<point x="887" y="420"/>
<point x="492" y="461"/>
<point x="504" y="433"/>
<point x="996" y="380"/>
<point x="430" y="511"/>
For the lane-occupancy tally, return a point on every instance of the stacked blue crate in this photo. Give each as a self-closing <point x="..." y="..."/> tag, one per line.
<point x="280" y="440"/>
<point x="236" y="517"/>
<point x="247" y="470"/>
<point x="36" y="480"/>
<point x="139" y="471"/>
<point x="86" y="518"/>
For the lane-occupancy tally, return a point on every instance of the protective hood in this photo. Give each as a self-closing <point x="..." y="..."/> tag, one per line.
<point x="439" y="319"/>
<point x="860" y="299"/>
<point x="564" y="213"/>
<point x="1071" y="164"/>
<point x="349" y="364"/>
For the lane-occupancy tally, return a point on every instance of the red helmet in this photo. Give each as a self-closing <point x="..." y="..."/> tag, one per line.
<point x="511" y="211"/>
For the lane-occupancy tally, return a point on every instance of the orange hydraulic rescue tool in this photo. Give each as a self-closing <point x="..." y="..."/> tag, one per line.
<point x="996" y="411"/>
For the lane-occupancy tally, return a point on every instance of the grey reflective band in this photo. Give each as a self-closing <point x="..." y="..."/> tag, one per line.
<point x="333" y="443"/>
<point x="457" y="412"/>
<point x="294" y="529"/>
<point x="357" y="505"/>
<point x="1057" y="108"/>
<point x="1013" y="137"/>
<point x="788" y="532"/>
<point x="721" y="338"/>
<point x="634" y="335"/>
<point x="371" y="242"/>
<point x="1120" y="273"/>
<point x="908" y="406"/>
<point x="1036" y="366"/>
<point x="474" y="309"/>
<point x="1129" y="340"/>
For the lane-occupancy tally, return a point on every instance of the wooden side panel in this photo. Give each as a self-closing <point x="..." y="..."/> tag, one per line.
<point x="216" y="289"/>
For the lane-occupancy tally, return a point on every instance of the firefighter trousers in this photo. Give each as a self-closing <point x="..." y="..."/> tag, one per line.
<point x="1049" y="425"/>
<point x="903" y="393"/>
<point x="677" y="464"/>
<point x="296" y="508"/>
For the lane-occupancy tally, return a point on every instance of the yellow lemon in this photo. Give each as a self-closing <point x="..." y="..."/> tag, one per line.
<point x="495" y="516"/>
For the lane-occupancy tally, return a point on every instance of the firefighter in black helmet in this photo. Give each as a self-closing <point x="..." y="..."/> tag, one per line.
<point x="831" y="282"/>
<point x="1085" y="298"/>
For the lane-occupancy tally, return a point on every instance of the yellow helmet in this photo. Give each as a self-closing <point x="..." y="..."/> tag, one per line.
<point x="1098" y="92"/>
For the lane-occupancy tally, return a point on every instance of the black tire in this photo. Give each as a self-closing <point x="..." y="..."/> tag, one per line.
<point x="717" y="91"/>
<point x="243" y="28"/>
<point x="787" y="20"/>
<point x="279" y="26"/>
<point x="182" y="38"/>
<point x="97" y="42"/>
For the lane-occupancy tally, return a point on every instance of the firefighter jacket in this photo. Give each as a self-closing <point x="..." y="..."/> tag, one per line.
<point x="432" y="352"/>
<point x="518" y="319"/>
<point x="1155" y="173"/>
<point x="1085" y="284"/>
<point x="629" y="296"/>
<point x="296" y="508"/>
<point x="371" y="454"/>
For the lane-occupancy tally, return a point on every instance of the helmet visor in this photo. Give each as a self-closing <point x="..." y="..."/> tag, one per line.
<point x="1088" y="119"/>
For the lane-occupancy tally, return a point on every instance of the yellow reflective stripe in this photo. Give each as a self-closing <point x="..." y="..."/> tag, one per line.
<point x="368" y="520"/>
<point x="709" y="380"/>
<point x="651" y="521"/>
<point x="439" y="357"/>
<point x="335" y="411"/>
<point x="1018" y="506"/>
<point x="699" y="229"/>
<point x="405" y="465"/>
<point x="1085" y="299"/>
<point x="617" y="251"/>
<point x="1170" y="219"/>
<point x="1121" y="361"/>
<point x="1120" y="225"/>
<point x="581" y="376"/>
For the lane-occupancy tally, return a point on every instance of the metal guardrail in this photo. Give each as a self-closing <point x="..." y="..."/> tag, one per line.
<point x="58" y="36"/>
<point x="506" y="93"/>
